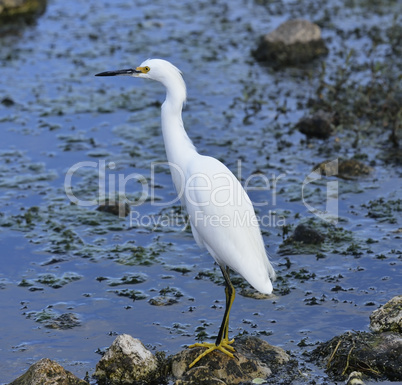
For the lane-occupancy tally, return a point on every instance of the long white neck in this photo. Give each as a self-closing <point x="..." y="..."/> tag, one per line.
<point x="177" y="143"/>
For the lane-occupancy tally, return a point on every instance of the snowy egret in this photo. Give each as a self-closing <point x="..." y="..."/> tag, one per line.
<point x="221" y="215"/>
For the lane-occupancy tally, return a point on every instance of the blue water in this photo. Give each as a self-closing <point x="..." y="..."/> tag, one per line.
<point x="64" y="115"/>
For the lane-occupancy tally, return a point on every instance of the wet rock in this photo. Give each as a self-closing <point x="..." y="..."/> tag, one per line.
<point x="388" y="317"/>
<point x="307" y="234"/>
<point x="355" y="378"/>
<point x="293" y="42"/>
<point x="7" y="102"/>
<point x="377" y="355"/>
<point x="352" y="168"/>
<point x="344" y="168"/>
<point x="126" y="362"/>
<point x="11" y="10"/>
<point x="47" y="372"/>
<point x="316" y="126"/>
<point x="327" y="167"/>
<point x="255" y="359"/>
<point x="121" y="209"/>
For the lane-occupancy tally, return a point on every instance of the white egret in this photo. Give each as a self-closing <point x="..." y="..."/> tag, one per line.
<point x="221" y="215"/>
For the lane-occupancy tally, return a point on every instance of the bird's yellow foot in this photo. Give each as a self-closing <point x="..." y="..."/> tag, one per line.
<point x="224" y="347"/>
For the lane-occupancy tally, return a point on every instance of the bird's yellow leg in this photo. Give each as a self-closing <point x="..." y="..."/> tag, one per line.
<point x="224" y="347"/>
<point x="222" y="341"/>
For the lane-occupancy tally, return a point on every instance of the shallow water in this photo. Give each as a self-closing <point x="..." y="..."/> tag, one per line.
<point x="237" y="111"/>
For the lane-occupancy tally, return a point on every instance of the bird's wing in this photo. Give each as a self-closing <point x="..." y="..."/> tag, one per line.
<point x="223" y="220"/>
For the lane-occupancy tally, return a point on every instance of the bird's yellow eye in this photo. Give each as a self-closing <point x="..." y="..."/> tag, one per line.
<point x="143" y="70"/>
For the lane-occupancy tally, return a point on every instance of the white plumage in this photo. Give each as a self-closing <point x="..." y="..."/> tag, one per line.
<point x="221" y="214"/>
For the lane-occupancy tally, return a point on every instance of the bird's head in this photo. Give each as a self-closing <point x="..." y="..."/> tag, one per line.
<point x="155" y="69"/>
<point x="159" y="70"/>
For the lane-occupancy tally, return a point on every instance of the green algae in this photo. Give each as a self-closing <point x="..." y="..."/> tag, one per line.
<point x="56" y="282"/>
<point x="167" y="296"/>
<point x="53" y="319"/>
<point x="51" y="280"/>
<point x="384" y="210"/>
<point x="141" y="255"/>
<point x="129" y="279"/>
<point x="18" y="172"/>
<point x="135" y="295"/>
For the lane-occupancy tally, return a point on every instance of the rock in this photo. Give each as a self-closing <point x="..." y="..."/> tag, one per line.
<point x="11" y="10"/>
<point x="307" y="234"/>
<point x="121" y="209"/>
<point x="47" y="372"/>
<point x="293" y="42"/>
<point x="254" y="358"/>
<point x="388" y="317"/>
<point x="316" y="126"/>
<point x="352" y="168"/>
<point x="377" y="355"/>
<point x="7" y="102"/>
<point x="126" y="362"/>
<point x="355" y="378"/>
<point x="344" y="168"/>
<point x="327" y="168"/>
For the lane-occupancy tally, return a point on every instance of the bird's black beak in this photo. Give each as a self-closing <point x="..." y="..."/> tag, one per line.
<point x="128" y="72"/>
